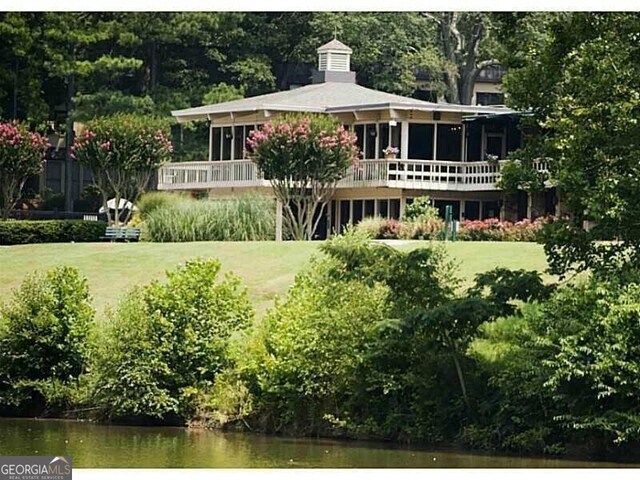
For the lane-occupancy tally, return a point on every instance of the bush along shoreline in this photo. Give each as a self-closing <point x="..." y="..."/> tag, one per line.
<point x="370" y="342"/>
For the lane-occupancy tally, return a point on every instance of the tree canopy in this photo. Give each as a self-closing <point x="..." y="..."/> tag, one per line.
<point x="580" y="78"/>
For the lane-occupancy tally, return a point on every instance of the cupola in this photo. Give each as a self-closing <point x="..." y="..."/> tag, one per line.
<point x="334" y="63"/>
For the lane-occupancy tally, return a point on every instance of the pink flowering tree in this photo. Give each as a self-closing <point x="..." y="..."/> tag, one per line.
<point x="21" y="155"/>
<point x="123" y="152"/>
<point x="303" y="156"/>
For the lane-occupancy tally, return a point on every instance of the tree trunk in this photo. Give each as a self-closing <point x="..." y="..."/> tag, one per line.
<point x="68" y="202"/>
<point x="15" y="90"/>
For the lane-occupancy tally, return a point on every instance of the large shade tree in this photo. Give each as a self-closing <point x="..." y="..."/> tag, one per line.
<point x="582" y="84"/>
<point x="123" y="152"/>
<point x="303" y="156"/>
<point x="21" y="156"/>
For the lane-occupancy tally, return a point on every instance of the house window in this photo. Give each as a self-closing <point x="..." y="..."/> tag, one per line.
<point x="359" y="130"/>
<point x="239" y="139"/>
<point x="370" y="135"/>
<point x="383" y="129"/>
<point x="421" y="141"/>
<point x="449" y="145"/>
<point x="369" y="208"/>
<point x="216" y="139"/>
<point x="489" y="98"/>
<point x="495" y="141"/>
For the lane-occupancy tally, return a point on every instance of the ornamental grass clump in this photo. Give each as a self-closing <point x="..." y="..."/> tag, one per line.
<point x="246" y="218"/>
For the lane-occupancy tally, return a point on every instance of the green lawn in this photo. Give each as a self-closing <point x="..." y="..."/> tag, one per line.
<point x="267" y="268"/>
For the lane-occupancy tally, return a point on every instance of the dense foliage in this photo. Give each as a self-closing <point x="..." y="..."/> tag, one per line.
<point x="175" y="218"/>
<point x="21" y="155"/>
<point x="165" y="343"/>
<point x="303" y="156"/>
<point x="566" y="370"/>
<point x="50" y="231"/>
<point x="581" y="81"/>
<point x="123" y="152"/>
<point x="44" y="342"/>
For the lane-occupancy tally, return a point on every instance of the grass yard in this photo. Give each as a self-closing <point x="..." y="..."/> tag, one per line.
<point x="267" y="268"/>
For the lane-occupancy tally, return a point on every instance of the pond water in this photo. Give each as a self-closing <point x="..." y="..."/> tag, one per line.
<point x="108" y="446"/>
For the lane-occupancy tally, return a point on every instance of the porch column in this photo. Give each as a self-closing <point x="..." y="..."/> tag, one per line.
<point x="404" y="140"/>
<point x="529" y="205"/>
<point x="403" y="203"/>
<point x="278" y="221"/>
<point x="210" y="140"/>
<point x="463" y="210"/>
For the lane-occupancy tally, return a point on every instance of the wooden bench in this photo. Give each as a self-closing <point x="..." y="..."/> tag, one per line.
<point x="122" y="234"/>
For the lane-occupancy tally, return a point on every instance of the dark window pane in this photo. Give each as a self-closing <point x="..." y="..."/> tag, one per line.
<point x="421" y="141"/>
<point x="370" y="142"/>
<point x="474" y="142"/>
<point x="441" y="205"/>
<point x="383" y="206"/>
<point x="396" y="133"/>
<point x="344" y="214"/>
<point x="359" y="129"/>
<point x="238" y="142"/>
<point x="383" y="130"/>
<point x="369" y="208"/>
<point x="494" y="145"/>
<point x="472" y="210"/>
<point x="227" y="138"/>
<point x="394" y="208"/>
<point x="357" y="211"/>
<point x="489" y="98"/>
<point x="490" y="210"/>
<point x="215" y="143"/>
<point x="449" y="142"/>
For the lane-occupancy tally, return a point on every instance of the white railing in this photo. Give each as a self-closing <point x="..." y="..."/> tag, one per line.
<point x="393" y="173"/>
<point x="198" y="175"/>
<point x="366" y="173"/>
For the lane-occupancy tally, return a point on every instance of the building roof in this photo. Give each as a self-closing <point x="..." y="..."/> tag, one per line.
<point x="334" y="46"/>
<point x="328" y="97"/>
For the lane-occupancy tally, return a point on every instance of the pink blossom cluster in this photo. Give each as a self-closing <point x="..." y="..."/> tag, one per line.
<point x="493" y="229"/>
<point x="339" y="139"/>
<point x="164" y="141"/>
<point x="12" y="135"/>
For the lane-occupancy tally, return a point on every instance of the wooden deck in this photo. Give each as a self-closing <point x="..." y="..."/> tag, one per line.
<point x="395" y="173"/>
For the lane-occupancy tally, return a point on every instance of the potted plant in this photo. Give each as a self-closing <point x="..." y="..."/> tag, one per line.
<point x="390" y="152"/>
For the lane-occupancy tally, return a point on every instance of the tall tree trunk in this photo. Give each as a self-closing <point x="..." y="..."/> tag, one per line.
<point x="68" y="201"/>
<point x="15" y="89"/>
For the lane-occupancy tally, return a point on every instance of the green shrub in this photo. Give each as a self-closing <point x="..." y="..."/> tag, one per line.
<point x="303" y="362"/>
<point x="420" y="209"/>
<point x="494" y="230"/>
<point x="166" y="342"/>
<point x="372" y="226"/>
<point x="340" y="355"/>
<point x="23" y="232"/>
<point x="235" y="219"/>
<point x="422" y="229"/>
<point x="566" y="371"/>
<point x="44" y="341"/>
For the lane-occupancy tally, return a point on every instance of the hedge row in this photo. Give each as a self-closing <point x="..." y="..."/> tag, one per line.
<point x="50" y="231"/>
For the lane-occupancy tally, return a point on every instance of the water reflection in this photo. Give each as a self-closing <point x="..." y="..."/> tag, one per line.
<point x="107" y="446"/>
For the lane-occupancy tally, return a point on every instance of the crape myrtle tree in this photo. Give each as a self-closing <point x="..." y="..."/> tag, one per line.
<point x="582" y="84"/>
<point x="21" y="155"/>
<point x="303" y="156"/>
<point x="123" y="152"/>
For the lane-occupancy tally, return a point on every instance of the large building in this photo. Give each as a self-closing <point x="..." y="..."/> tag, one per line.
<point x="449" y="152"/>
